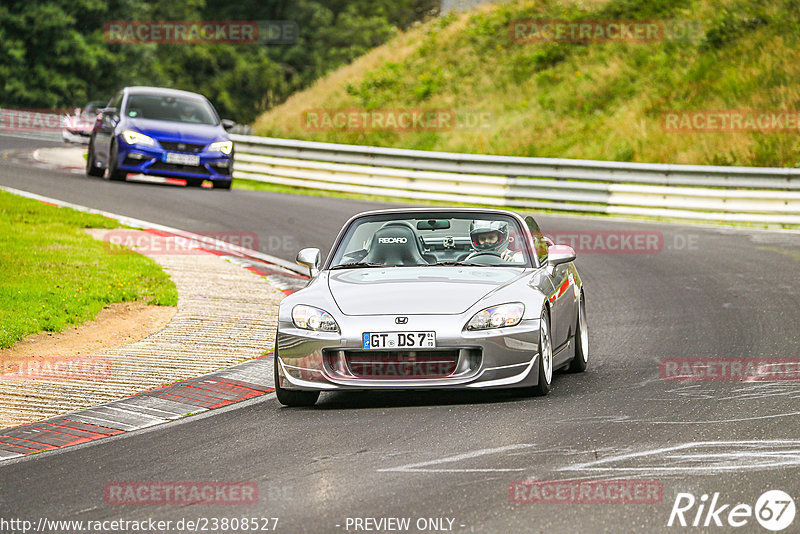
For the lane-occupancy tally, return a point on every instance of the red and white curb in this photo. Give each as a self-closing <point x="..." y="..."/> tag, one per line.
<point x="189" y="397"/>
<point x="244" y="381"/>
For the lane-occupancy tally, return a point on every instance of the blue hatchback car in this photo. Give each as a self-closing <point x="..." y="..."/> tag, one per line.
<point x="161" y="132"/>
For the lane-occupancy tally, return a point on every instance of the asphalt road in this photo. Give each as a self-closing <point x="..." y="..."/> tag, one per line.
<point x="705" y="293"/>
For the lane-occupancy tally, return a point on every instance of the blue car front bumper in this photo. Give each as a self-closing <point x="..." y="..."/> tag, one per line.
<point x="152" y="160"/>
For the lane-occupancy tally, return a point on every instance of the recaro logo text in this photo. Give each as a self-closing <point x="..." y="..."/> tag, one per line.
<point x="392" y="240"/>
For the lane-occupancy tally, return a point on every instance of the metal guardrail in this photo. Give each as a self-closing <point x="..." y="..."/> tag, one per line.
<point x="729" y="194"/>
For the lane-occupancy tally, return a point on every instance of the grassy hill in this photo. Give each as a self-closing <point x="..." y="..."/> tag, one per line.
<point x="596" y="100"/>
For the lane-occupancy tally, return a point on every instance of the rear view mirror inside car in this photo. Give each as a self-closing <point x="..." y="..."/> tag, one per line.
<point x="433" y="224"/>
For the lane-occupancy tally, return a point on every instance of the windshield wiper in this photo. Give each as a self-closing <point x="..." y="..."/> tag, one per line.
<point x="462" y="264"/>
<point x="357" y="265"/>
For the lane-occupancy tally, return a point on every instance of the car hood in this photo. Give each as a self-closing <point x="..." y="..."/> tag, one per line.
<point x="199" y="134"/>
<point x="415" y="290"/>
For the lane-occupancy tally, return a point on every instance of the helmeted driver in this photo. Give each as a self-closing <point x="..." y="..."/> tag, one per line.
<point x="491" y="236"/>
<point x="188" y="113"/>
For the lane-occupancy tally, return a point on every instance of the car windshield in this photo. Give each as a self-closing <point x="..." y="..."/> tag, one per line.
<point x="170" y="108"/>
<point x="425" y="239"/>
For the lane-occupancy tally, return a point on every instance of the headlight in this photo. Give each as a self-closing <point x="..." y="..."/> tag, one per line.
<point x="221" y="146"/>
<point x="497" y="317"/>
<point x="309" y="318"/>
<point x="136" y="138"/>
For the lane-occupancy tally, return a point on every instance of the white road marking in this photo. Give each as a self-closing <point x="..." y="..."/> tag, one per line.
<point x="421" y="467"/>
<point x="750" y="391"/>
<point x="735" y="455"/>
<point x="55" y="137"/>
<point x="713" y="421"/>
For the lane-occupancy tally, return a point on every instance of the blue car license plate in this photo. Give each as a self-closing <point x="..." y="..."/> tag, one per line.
<point x="182" y="159"/>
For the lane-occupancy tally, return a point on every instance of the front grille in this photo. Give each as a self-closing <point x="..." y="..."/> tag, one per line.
<point x="194" y="169"/>
<point x="374" y="364"/>
<point x="181" y="147"/>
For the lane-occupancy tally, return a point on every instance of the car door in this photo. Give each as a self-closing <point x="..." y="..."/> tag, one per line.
<point x="105" y="132"/>
<point x="558" y="289"/>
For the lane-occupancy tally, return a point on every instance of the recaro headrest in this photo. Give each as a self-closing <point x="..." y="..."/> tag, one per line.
<point x="395" y="243"/>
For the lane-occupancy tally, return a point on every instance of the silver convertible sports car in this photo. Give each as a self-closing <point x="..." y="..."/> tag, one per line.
<point x="432" y="298"/>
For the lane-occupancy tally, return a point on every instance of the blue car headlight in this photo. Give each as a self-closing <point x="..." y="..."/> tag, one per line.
<point x="221" y="146"/>
<point x="497" y="316"/>
<point x="310" y="318"/>
<point x="136" y="138"/>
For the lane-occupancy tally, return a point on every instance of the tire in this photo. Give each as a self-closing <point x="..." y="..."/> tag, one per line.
<point x="113" y="174"/>
<point x="581" y="358"/>
<point x="545" y="357"/>
<point x="223" y="184"/>
<point x="289" y="397"/>
<point x="91" y="168"/>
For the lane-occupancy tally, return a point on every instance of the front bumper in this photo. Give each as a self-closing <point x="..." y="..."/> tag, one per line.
<point x="496" y="358"/>
<point x="151" y="160"/>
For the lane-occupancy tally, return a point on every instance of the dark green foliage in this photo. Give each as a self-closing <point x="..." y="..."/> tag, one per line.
<point x="732" y="23"/>
<point x="642" y="9"/>
<point x="53" y="53"/>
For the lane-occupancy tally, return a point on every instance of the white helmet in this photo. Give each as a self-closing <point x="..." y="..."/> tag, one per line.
<point x="483" y="228"/>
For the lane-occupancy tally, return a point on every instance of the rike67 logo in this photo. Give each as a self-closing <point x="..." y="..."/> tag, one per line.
<point x="774" y="510"/>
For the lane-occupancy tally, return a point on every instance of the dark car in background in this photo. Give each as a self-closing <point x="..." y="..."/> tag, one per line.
<point x="161" y="132"/>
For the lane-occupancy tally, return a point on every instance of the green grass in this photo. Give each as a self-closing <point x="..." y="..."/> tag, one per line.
<point x="55" y="275"/>
<point x="576" y="100"/>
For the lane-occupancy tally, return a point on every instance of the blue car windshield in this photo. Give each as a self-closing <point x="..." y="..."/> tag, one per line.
<point x="440" y="238"/>
<point x="170" y="108"/>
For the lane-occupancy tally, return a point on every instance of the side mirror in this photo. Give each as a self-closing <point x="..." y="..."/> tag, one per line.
<point x="227" y="124"/>
<point x="558" y="254"/>
<point x="309" y="257"/>
<point x="109" y="113"/>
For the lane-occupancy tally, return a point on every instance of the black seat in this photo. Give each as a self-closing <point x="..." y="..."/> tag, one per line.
<point x="395" y="243"/>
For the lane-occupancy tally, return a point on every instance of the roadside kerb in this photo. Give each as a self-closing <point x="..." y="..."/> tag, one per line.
<point x="237" y="329"/>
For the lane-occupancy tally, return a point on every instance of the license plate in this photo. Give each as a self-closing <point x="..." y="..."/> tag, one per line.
<point x="398" y="340"/>
<point x="182" y="159"/>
